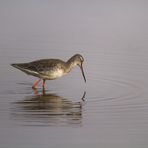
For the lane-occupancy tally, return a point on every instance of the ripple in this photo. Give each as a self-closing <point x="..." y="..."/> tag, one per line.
<point x="125" y="87"/>
<point x="113" y="86"/>
<point x="109" y="94"/>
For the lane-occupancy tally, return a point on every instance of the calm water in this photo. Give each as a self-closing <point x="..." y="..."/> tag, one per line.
<point x="110" y="110"/>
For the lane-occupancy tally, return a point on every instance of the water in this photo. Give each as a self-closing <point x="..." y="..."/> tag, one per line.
<point x="110" y="110"/>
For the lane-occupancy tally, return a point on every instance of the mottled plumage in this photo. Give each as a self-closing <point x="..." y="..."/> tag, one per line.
<point x="50" y="69"/>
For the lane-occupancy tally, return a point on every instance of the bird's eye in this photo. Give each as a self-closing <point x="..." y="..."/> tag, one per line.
<point x="81" y="58"/>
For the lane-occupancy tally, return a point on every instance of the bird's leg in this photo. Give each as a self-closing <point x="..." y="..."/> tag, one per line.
<point x="36" y="83"/>
<point x="43" y="85"/>
<point x="36" y="92"/>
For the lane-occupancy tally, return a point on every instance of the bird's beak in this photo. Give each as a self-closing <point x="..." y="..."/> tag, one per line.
<point x="81" y="67"/>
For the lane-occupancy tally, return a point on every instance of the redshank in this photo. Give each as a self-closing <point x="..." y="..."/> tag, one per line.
<point x="50" y="69"/>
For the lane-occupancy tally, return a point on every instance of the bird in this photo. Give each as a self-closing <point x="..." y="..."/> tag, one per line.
<point x="50" y="69"/>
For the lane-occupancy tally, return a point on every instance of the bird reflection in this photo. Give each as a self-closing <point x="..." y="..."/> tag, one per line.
<point x="48" y="109"/>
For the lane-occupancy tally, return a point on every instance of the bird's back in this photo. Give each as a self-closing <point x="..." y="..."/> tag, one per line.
<point x="44" y="68"/>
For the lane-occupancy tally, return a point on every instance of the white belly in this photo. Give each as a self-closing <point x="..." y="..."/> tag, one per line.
<point x="55" y="74"/>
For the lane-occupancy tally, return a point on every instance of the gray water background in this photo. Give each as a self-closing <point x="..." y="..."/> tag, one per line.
<point x="113" y="38"/>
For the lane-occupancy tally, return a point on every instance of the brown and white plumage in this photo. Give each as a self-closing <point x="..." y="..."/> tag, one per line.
<point x="50" y="69"/>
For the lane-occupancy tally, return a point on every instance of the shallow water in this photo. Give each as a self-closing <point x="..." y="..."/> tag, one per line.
<point x="110" y="110"/>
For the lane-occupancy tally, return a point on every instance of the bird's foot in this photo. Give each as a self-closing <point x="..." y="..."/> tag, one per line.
<point x="35" y="83"/>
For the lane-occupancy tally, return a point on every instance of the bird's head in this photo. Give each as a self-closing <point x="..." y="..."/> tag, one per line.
<point x="78" y="59"/>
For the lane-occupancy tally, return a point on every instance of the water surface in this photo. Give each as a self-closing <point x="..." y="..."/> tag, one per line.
<point x="110" y="110"/>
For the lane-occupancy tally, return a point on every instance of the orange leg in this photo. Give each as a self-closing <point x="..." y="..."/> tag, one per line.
<point x="36" y="93"/>
<point x="36" y="83"/>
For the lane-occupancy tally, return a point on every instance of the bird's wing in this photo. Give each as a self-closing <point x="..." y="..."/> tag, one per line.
<point x="46" y="65"/>
<point x="47" y="68"/>
<point x="25" y="67"/>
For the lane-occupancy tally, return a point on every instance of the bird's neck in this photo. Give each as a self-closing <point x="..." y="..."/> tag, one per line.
<point x="71" y="63"/>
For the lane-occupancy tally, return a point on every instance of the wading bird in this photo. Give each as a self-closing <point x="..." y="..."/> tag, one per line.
<point x="50" y="69"/>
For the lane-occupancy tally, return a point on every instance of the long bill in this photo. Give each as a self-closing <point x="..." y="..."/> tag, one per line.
<point x="81" y="67"/>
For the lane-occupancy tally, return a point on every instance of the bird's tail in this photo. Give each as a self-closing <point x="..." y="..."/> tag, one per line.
<point x="25" y="67"/>
<point x="20" y="67"/>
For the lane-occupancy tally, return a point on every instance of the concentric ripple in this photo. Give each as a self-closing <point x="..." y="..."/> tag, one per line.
<point x="116" y="84"/>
